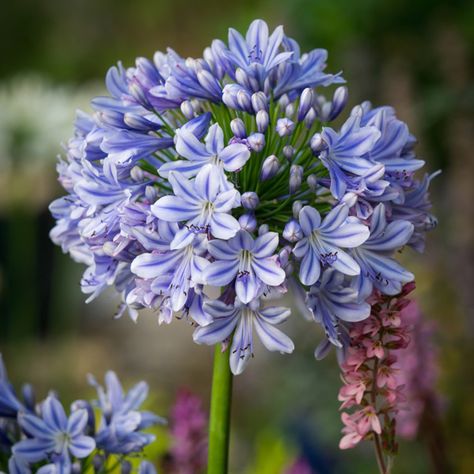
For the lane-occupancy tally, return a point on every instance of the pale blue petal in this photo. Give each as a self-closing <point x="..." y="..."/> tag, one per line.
<point x="174" y="209"/>
<point x="272" y="338"/>
<point x="151" y="265"/>
<point x="182" y="187"/>
<point x="349" y="235"/>
<point x="188" y="169"/>
<point x="207" y="183"/>
<point x="344" y="263"/>
<point x="395" y="236"/>
<point x="214" y="139"/>
<point x="227" y="200"/>
<point x="34" y="426"/>
<point x="268" y="271"/>
<point x="335" y="218"/>
<point x="77" y="422"/>
<point x="310" y="219"/>
<point x="53" y="414"/>
<point x="198" y="267"/>
<point x="189" y="147"/>
<point x="182" y="238"/>
<point x="265" y="245"/>
<point x="275" y="314"/>
<point x="301" y="248"/>
<point x="33" y="450"/>
<point x="81" y="446"/>
<point x="224" y="226"/>
<point x="215" y="332"/>
<point x="221" y="272"/>
<point x="310" y="268"/>
<point x="221" y="250"/>
<point x="234" y="156"/>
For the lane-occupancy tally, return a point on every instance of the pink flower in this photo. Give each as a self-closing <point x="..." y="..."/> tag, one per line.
<point x="374" y="348"/>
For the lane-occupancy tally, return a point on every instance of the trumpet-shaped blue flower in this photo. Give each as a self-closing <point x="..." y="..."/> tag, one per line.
<point x="230" y="158"/>
<point x="346" y="152"/>
<point x="54" y="436"/>
<point x="256" y="55"/>
<point x="202" y="204"/>
<point x="240" y="320"/>
<point x="375" y="256"/>
<point x="330" y="301"/>
<point x="324" y="240"/>
<point x="173" y="271"/>
<point x="120" y="430"/>
<point x="250" y="262"/>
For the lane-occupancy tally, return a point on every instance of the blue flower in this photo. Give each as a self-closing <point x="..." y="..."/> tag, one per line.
<point x="323" y="240"/>
<point x="174" y="271"/>
<point x="256" y="55"/>
<point x="250" y="262"/>
<point x="375" y="256"/>
<point x="346" y="152"/>
<point x="303" y="70"/>
<point x="416" y="208"/>
<point x="230" y="158"/>
<point x="54" y="436"/>
<point x="120" y="430"/>
<point x="330" y="301"/>
<point x="202" y="203"/>
<point x="239" y="320"/>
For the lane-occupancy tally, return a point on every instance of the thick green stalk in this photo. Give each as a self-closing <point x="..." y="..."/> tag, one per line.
<point x="219" y="423"/>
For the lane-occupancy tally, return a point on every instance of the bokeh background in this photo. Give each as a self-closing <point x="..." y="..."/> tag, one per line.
<point x="414" y="54"/>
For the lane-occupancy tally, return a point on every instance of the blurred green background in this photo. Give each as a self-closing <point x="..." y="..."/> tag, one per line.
<point x="416" y="55"/>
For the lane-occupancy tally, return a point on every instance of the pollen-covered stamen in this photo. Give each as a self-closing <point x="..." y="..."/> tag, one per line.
<point x="328" y="259"/>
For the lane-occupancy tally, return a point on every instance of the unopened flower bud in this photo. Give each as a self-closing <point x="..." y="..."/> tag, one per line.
<point x="262" y="120"/>
<point x="283" y="102"/>
<point x="290" y="110"/>
<point x="296" y="178"/>
<point x="243" y="99"/>
<point x="325" y="112"/>
<point x="317" y="143"/>
<point x="284" y="256"/>
<point x="310" y="118"/>
<point x="292" y="231"/>
<point x="248" y="222"/>
<point x="151" y="193"/>
<point x="296" y="208"/>
<point x="259" y="101"/>
<point x="288" y="152"/>
<point x="284" y="127"/>
<point x="339" y="101"/>
<point x="306" y="102"/>
<point x="249" y="200"/>
<point x="263" y="229"/>
<point x="312" y="181"/>
<point x="270" y="167"/>
<point x="187" y="109"/>
<point x="238" y="128"/>
<point x="136" y="173"/>
<point x="256" y="141"/>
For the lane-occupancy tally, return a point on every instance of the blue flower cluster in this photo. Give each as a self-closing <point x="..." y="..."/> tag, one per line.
<point x="42" y="438"/>
<point x="227" y="171"/>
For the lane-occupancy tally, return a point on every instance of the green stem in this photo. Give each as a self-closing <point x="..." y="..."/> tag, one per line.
<point x="219" y="423"/>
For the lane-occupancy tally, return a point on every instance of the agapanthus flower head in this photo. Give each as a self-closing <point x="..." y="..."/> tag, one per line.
<point x="227" y="171"/>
